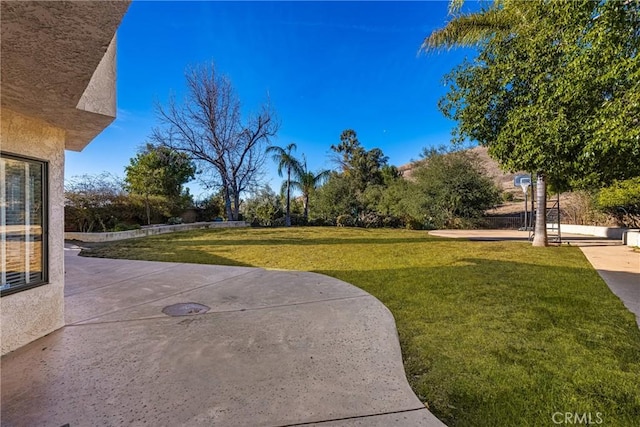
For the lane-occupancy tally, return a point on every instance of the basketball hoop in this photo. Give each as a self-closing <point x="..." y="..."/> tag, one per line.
<point x="523" y="181"/>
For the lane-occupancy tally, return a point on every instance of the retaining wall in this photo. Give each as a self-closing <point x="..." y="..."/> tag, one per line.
<point x="632" y="238"/>
<point x="150" y="231"/>
<point x="592" y="230"/>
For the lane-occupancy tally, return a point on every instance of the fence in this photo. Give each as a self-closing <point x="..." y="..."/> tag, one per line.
<point x="502" y="222"/>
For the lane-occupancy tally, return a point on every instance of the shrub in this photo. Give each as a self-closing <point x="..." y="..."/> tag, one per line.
<point x="317" y="222"/>
<point x="121" y="226"/>
<point x="391" y="221"/>
<point x="411" y="223"/>
<point x="263" y="208"/>
<point x="622" y="200"/>
<point x="345" y="221"/>
<point x="581" y="208"/>
<point x="508" y="196"/>
<point x="174" y="220"/>
<point x="370" y="220"/>
<point x="96" y="203"/>
<point x="322" y="222"/>
<point x="298" y="220"/>
<point x="462" y="223"/>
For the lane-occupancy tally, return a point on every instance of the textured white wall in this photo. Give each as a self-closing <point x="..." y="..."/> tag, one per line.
<point x="31" y="314"/>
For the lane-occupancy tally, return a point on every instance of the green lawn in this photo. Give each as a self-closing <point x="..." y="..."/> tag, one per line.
<point x="492" y="333"/>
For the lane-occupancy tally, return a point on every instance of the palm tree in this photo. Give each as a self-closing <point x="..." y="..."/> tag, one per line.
<point x="306" y="182"/>
<point x="500" y="18"/>
<point x="286" y="161"/>
<point x="474" y="28"/>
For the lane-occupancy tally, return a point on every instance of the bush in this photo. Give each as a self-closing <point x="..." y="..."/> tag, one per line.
<point x="457" y="223"/>
<point x="174" y="220"/>
<point x="507" y="196"/>
<point x="391" y="221"/>
<point x="210" y="208"/>
<point x="370" y="220"/>
<point x="96" y="203"/>
<point x="413" y="224"/>
<point x="622" y="200"/>
<point x="345" y="221"/>
<point x="263" y="208"/>
<point x="322" y="222"/>
<point x="317" y="222"/>
<point x="121" y="226"/>
<point x="581" y="208"/>
<point x="298" y="220"/>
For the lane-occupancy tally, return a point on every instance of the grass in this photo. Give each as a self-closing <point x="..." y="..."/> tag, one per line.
<point x="492" y="333"/>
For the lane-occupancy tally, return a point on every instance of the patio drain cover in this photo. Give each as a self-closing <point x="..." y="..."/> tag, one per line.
<point x="185" y="309"/>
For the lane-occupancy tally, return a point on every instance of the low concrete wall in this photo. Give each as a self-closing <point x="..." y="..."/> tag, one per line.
<point x="150" y="231"/>
<point x="591" y="230"/>
<point x="632" y="238"/>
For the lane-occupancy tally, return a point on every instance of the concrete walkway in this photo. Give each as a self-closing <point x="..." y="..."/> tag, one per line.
<point x="618" y="265"/>
<point x="276" y="348"/>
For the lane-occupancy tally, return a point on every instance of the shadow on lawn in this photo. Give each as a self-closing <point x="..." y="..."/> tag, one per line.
<point x="301" y="241"/>
<point x="191" y="240"/>
<point x="579" y="290"/>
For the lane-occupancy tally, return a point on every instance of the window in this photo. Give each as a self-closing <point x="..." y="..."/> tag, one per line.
<point x="23" y="223"/>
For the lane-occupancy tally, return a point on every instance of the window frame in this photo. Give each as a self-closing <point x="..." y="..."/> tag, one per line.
<point x="45" y="223"/>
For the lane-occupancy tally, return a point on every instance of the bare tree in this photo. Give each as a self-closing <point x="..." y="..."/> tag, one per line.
<point x="209" y="127"/>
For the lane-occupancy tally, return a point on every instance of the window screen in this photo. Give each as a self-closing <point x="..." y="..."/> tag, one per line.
<point x="23" y="213"/>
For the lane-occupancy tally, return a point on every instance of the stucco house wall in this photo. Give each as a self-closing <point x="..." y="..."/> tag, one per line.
<point x="57" y="92"/>
<point x="27" y="315"/>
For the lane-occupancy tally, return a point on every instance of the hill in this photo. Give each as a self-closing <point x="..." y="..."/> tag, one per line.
<point x="576" y="206"/>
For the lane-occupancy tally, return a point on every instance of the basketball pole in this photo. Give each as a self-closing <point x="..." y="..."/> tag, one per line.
<point x="526" y="206"/>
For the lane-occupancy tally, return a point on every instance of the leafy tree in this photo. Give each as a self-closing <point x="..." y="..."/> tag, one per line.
<point x="346" y="149"/>
<point x="390" y="174"/>
<point x="209" y="127"/>
<point x="263" y="207"/>
<point x="446" y="190"/>
<point x="286" y="161"/>
<point x="403" y="199"/>
<point x="555" y="90"/>
<point x="307" y="182"/>
<point x="210" y="207"/>
<point x="160" y="171"/>
<point x="455" y="191"/>
<point x="365" y="167"/>
<point x="337" y="196"/>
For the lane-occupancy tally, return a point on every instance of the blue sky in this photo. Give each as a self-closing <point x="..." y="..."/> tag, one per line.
<point x="326" y="66"/>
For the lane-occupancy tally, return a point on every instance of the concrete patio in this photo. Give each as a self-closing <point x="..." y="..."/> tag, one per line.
<point x="276" y="348"/>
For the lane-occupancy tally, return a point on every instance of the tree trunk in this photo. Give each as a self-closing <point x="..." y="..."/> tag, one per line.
<point x="236" y="206"/>
<point x="287" y="218"/>
<point x="306" y="207"/>
<point x="227" y="202"/>
<point x="540" y="231"/>
<point x="146" y="202"/>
